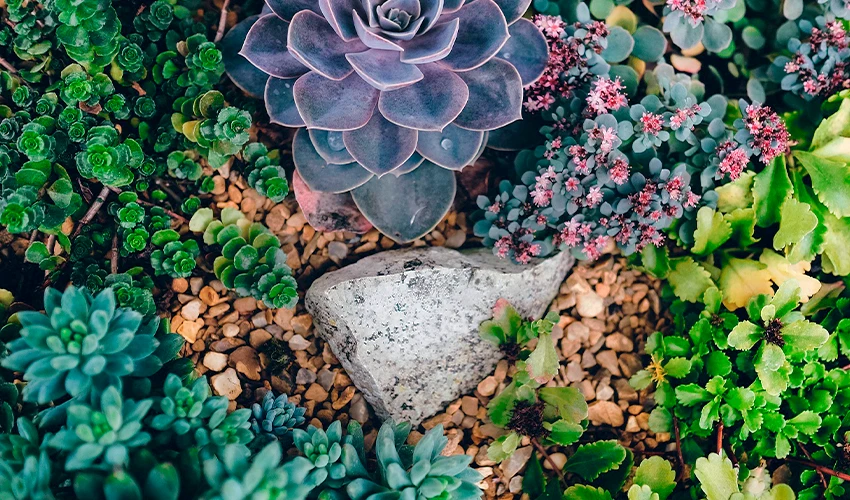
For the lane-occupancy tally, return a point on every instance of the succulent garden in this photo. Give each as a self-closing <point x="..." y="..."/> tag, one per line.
<point x="425" y="249"/>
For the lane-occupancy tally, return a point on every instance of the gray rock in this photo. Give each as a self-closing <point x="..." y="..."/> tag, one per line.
<point x="404" y="324"/>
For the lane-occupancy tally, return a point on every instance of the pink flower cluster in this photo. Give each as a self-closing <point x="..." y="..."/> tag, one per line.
<point x="567" y="68"/>
<point x="733" y="159"/>
<point x="605" y="96"/>
<point x="832" y="37"/>
<point x="682" y="116"/>
<point x="768" y="135"/>
<point x="694" y="10"/>
<point x="523" y="251"/>
<point x="652" y="123"/>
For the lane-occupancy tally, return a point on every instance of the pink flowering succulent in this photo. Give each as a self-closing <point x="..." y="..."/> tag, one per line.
<point x="409" y="88"/>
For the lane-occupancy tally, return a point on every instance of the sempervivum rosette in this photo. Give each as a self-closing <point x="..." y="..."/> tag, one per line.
<point x="402" y="87"/>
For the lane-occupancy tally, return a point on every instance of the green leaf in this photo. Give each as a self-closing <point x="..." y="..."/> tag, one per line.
<point x="783" y="446"/>
<point x="660" y="420"/>
<point x="37" y="252"/>
<point x="569" y="401"/>
<point x="503" y="447"/>
<point x="657" y="473"/>
<point x="836" y="258"/>
<point x="543" y="362"/>
<point x="807" y="422"/>
<point x="796" y="221"/>
<point x="677" y="367"/>
<point x="774" y="381"/>
<point x="591" y="460"/>
<point x="534" y="482"/>
<point x="563" y="432"/>
<point x="836" y="125"/>
<point x="740" y="398"/>
<point x="718" y="364"/>
<point x="584" y="492"/>
<point x="689" y="279"/>
<point x="163" y="236"/>
<point x="711" y="232"/>
<point x="745" y="335"/>
<point x="655" y="261"/>
<point x="717" y="477"/>
<point x="743" y="224"/>
<point x="742" y="279"/>
<point x="771" y="187"/>
<point x="691" y="394"/>
<point x="803" y="335"/>
<point x="830" y="180"/>
<point x="738" y="194"/>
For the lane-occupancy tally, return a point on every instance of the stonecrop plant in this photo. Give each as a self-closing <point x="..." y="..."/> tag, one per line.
<point x="390" y="97"/>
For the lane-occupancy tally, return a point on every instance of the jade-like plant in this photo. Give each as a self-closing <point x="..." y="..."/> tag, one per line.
<point x="251" y="261"/>
<point x="236" y="476"/>
<point x="276" y="417"/>
<point x="378" y="87"/>
<point x="176" y="258"/>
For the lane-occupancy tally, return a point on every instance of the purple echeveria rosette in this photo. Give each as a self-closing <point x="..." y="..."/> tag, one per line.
<point x="402" y="87"/>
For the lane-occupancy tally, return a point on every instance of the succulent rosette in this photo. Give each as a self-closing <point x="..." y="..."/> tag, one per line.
<point x="403" y="87"/>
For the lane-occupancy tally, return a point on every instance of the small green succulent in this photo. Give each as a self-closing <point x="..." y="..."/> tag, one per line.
<point x="423" y="474"/>
<point x="276" y="416"/>
<point x="325" y="450"/>
<point x="181" y="165"/>
<point x="203" y="60"/>
<point x="131" y="292"/>
<point x="15" y="448"/>
<point x="176" y="258"/>
<point x="264" y="172"/>
<point x="80" y="345"/>
<point x="232" y="476"/>
<point x="251" y="261"/>
<point x="155" y="19"/>
<point x="108" y="159"/>
<point x="88" y="31"/>
<point x="101" y="435"/>
<point x="162" y="481"/>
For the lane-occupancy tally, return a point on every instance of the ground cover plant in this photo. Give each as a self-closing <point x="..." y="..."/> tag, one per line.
<point x="708" y="141"/>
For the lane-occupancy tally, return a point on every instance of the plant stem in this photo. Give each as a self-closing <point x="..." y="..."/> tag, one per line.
<point x="719" y="437"/>
<point x="113" y="260"/>
<point x="222" y="20"/>
<point x="93" y="209"/>
<point x="809" y="456"/>
<point x="8" y="66"/>
<point x="679" y="447"/>
<point x="820" y="468"/>
<point x="552" y="464"/>
<point x="172" y="214"/>
<point x="33" y="236"/>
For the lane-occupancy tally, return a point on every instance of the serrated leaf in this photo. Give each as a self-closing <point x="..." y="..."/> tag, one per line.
<point x="569" y="401"/>
<point x="677" y="367"/>
<point x="655" y="261"/>
<point x="543" y="362"/>
<point x="563" y="432"/>
<point x="836" y="258"/>
<point x="743" y="224"/>
<point x="781" y="270"/>
<point x="689" y="279"/>
<point x="503" y="447"/>
<point x="802" y="336"/>
<point x="500" y="407"/>
<point x="657" y="473"/>
<point x="830" y="180"/>
<point x="711" y="232"/>
<point x="691" y="394"/>
<point x="796" y="221"/>
<point x="807" y="422"/>
<point x="744" y="336"/>
<point x="591" y="460"/>
<point x="37" y="252"/>
<point x="836" y="125"/>
<point x="660" y="420"/>
<point x="584" y="492"/>
<point x="534" y="482"/>
<point x="771" y="187"/>
<point x="717" y="477"/>
<point x="738" y="194"/>
<point x="742" y="279"/>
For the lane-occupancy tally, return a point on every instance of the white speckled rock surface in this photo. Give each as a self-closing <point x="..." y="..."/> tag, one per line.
<point x="404" y="323"/>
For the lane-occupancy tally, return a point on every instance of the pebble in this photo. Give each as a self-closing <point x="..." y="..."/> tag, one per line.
<point x="359" y="411"/>
<point x="305" y="377"/>
<point x="469" y="405"/>
<point x="245" y="304"/>
<point x="299" y="343"/>
<point x="326" y="378"/>
<point x="246" y="361"/>
<point x="301" y="324"/>
<point x="229" y="330"/>
<point x="259" y="337"/>
<point x="608" y="360"/>
<point x="589" y="305"/>
<point x="488" y="386"/>
<point x="344" y="398"/>
<point x="227" y="384"/>
<point x="516" y="462"/>
<point x="316" y="393"/>
<point x="619" y="342"/>
<point x="215" y="361"/>
<point x="605" y="412"/>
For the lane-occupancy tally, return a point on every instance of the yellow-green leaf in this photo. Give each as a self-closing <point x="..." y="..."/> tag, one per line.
<point x="830" y="180"/>
<point x="771" y="187"/>
<point x="711" y="232"/>
<point x="689" y="279"/>
<point x="741" y="280"/>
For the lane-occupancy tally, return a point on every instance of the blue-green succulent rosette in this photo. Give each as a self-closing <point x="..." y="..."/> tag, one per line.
<point x="403" y="87"/>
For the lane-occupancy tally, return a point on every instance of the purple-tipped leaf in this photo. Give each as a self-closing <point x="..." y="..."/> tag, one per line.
<point x="371" y="39"/>
<point x="245" y="75"/>
<point x="513" y="9"/>
<point x="429" y="104"/>
<point x="383" y="70"/>
<point x="313" y="42"/>
<point x="287" y="9"/>
<point x="330" y="146"/>
<point x="432" y="46"/>
<point x="409" y="166"/>
<point x="280" y="102"/>
<point x="482" y="32"/>
<point x="495" y="96"/>
<point x="265" y="47"/>
<point x="408" y="206"/>
<point x="334" y="105"/>
<point x="453" y="148"/>
<point x="527" y="50"/>
<point x="338" y="13"/>
<point x="431" y="12"/>
<point x="380" y="146"/>
<point x="320" y="175"/>
<point x="327" y="211"/>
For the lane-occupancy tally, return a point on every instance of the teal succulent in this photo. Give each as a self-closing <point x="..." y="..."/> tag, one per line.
<point x="102" y="435"/>
<point x="81" y="344"/>
<point x="15" y="448"/>
<point x="29" y="482"/>
<point x="132" y="293"/>
<point x="276" y="416"/>
<point x="233" y="477"/>
<point x="162" y="482"/>
<point x="325" y="450"/>
<point x="424" y="474"/>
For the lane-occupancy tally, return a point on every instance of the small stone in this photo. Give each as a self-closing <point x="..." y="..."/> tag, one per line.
<point x="227" y="384"/>
<point x="195" y="285"/>
<point x="246" y="361"/>
<point x="469" y="405"/>
<point x="337" y="251"/>
<point x="589" y="305"/>
<point x="515" y="463"/>
<point x="604" y="392"/>
<point x="208" y="296"/>
<point x="632" y="424"/>
<point x="605" y="412"/>
<point x="359" y="410"/>
<point x="299" y="343"/>
<point x="619" y="342"/>
<point x="488" y="386"/>
<point x="180" y="285"/>
<point x="326" y="378"/>
<point x="305" y="377"/>
<point x="259" y="337"/>
<point x="625" y="392"/>
<point x="215" y="361"/>
<point x="515" y="485"/>
<point x="245" y="304"/>
<point x="283" y="318"/>
<point x="190" y="329"/>
<point x="316" y="393"/>
<point x="574" y="372"/>
<point x="191" y="310"/>
<point x="630" y="364"/>
<point x="229" y="330"/>
<point x="560" y="461"/>
<point x="578" y="331"/>
<point x="301" y="324"/>
<point x="344" y="397"/>
<point x="608" y="360"/>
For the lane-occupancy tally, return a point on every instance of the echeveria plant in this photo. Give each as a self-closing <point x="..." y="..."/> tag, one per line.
<point x="408" y="87"/>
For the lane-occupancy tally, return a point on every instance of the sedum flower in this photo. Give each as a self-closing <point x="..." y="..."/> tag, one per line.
<point x="81" y="344"/>
<point x="276" y="416"/>
<point x="102" y="434"/>
<point x="388" y="86"/>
